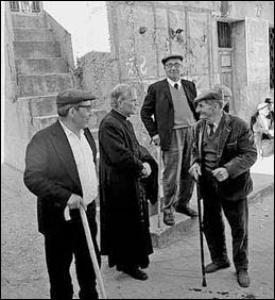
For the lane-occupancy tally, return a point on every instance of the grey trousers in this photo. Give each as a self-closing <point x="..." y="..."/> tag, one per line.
<point x="180" y="145"/>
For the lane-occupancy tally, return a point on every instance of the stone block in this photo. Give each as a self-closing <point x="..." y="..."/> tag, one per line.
<point x="164" y="235"/>
<point x="36" y="49"/>
<point x="42" y="85"/>
<point x="32" y="34"/>
<point x="41" y="66"/>
<point x="28" y="21"/>
<point x="42" y="106"/>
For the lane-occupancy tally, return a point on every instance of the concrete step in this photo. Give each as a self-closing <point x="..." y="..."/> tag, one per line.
<point x="40" y="85"/>
<point x="41" y="66"/>
<point x="33" y="34"/>
<point x="163" y="235"/>
<point x="28" y="21"/>
<point x="36" y="49"/>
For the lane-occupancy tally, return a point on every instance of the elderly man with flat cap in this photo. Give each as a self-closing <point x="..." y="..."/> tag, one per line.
<point x="168" y="113"/>
<point x="223" y="152"/>
<point x="61" y="172"/>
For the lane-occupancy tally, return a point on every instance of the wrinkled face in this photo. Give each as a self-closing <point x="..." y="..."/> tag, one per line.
<point x="128" y="103"/>
<point x="173" y="68"/>
<point x="205" y="110"/>
<point x="81" y="114"/>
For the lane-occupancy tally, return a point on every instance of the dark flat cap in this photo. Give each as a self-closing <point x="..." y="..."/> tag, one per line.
<point x="209" y="95"/>
<point x="73" y="96"/>
<point x="175" y="56"/>
<point x="268" y="100"/>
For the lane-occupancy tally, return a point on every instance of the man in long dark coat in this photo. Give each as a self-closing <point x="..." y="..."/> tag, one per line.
<point x="128" y="178"/>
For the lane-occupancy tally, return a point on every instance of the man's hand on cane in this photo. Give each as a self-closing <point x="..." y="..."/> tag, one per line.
<point x="75" y="202"/>
<point x="195" y="171"/>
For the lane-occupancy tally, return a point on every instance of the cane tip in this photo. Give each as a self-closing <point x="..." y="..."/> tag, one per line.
<point x="204" y="283"/>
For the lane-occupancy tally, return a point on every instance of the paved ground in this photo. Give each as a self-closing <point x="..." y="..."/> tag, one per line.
<point x="174" y="272"/>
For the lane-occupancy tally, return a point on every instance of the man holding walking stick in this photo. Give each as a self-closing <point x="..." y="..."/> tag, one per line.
<point x="61" y="172"/>
<point x="223" y="152"/>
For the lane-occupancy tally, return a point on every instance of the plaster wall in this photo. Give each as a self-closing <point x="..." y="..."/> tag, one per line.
<point x="14" y="116"/>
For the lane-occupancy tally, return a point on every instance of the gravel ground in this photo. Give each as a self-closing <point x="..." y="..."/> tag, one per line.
<point x="174" y="271"/>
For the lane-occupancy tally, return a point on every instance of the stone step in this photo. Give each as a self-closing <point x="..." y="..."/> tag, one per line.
<point x="41" y="66"/>
<point x="40" y="85"/>
<point x="163" y="235"/>
<point x="36" y="49"/>
<point x="28" y="21"/>
<point x="33" y="34"/>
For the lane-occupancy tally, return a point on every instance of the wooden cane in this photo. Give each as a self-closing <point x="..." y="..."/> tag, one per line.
<point x="160" y="192"/>
<point x="201" y="233"/>
<point x="92" y="253"/>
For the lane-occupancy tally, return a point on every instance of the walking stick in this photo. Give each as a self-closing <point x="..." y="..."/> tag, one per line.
<point x="201" y="235"/>
<point x="160" y="192"/>
<point x="92" y="253"/>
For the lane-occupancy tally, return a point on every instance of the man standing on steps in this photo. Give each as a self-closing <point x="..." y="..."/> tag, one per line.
<point x="168" y="113"/>
<point x="61" y="172"/>
<point x="223" y="152"/>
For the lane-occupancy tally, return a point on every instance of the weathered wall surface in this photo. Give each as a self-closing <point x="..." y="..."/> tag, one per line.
<point x="64" y="38"/>
<point x="98" y="72"/>
<point x="142" y="32"/>
<point x="38" y="58"/>
<point x="13" y="115"/>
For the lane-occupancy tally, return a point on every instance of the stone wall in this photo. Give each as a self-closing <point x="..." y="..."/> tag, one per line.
<point x="142" y="32"/>
<point x="63" y="36"/>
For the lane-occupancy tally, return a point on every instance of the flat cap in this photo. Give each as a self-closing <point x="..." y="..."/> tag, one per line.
<point x="209" y="95"/>
<point x="268" y="100"/>
<point x="174" y="56"/>
<point x="73" y="96"/>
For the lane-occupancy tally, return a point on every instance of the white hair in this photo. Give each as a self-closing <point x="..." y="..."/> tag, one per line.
<point x="118" y="93"/>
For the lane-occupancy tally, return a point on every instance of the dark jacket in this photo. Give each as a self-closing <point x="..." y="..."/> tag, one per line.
<point x="124" y="217"/>
<point x="51" y="174"/>
<point x="158" y="103"/>
<point x="237" y="153"/>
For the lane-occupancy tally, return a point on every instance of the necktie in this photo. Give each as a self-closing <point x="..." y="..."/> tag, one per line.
<point x="211" y="129"/>
<point x="176" y="86"/>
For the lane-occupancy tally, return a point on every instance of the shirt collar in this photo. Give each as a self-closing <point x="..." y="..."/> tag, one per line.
<point x="172" y="83"/>
<point x="68" y="131"/>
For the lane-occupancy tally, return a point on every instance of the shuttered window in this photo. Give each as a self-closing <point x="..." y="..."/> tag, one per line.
<point x="14" y="5"/>
<point x="35" y="6"/>
<point x="224" y="35"/>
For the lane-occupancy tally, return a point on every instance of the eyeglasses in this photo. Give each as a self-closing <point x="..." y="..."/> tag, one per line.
<point x="87" y="107"/>
<point x="170" y="66"/>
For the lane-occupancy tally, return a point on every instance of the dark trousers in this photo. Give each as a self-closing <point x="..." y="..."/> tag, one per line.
<point x="60" y="247"/>
<point x="236" y="214"/>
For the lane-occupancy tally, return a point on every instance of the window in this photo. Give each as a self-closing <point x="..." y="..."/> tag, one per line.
<point x="14" y="5"/>
<point x="271" y="55"/>
<point x="224" y="35"/>
<point x="35" y="6"/>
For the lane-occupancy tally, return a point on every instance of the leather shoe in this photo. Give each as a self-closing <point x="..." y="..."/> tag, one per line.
<point x="135" y="273"/>
<point x="213" y="267"/>
<point x="243" y="278"/>
<point x="187" y="211"/>
<point x="168" y="217"/>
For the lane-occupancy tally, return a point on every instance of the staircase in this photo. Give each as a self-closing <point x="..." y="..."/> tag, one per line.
<point x="41" y="70"/>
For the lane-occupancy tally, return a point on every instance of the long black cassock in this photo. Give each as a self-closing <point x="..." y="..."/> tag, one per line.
<point x="124" y="219"/>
